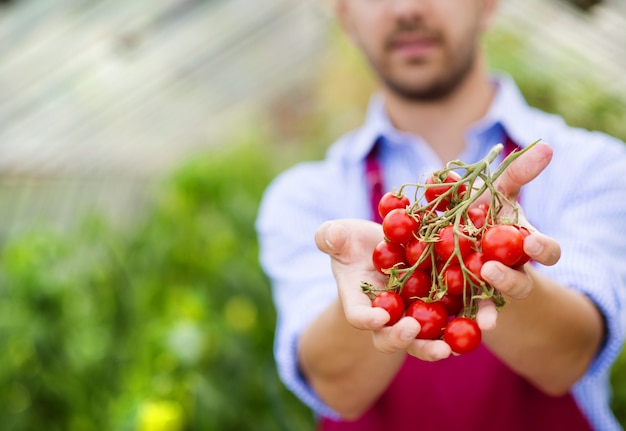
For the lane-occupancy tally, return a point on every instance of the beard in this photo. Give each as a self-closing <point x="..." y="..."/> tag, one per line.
<point x="435" y="89"/>
<point x="411" y="84"/>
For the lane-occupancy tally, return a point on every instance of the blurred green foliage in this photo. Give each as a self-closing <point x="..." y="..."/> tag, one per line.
<point x="168" y="325"/>
<point x="565" y="84"/>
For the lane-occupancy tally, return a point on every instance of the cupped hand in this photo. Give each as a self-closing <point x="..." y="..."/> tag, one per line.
<point x="349" y="243"/>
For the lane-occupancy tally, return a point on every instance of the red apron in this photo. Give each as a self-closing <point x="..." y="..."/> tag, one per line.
<point x="475" y="391"/>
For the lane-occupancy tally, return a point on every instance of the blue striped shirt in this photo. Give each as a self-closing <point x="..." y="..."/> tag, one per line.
<point x="580" y="200"/>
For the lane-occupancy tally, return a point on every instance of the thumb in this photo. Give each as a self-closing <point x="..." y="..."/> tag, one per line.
<point x="524" y="169"/>
<point x="349" y="243"/>
<point x="348" y="240"/>
<point x="331" y="238"/>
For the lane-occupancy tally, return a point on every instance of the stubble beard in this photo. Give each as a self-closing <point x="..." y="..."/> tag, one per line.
<point x="438" y="88"/>
<point x="457" y="66"/>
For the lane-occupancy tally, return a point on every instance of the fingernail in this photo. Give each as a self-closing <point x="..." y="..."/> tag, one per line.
<point x="533" y="246"/>
<point x="492" y="273"/>
<point x="332" y="231"/>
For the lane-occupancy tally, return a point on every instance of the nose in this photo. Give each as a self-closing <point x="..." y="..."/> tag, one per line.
<point x="409" y="7"/>
<point x="409" y="10"/>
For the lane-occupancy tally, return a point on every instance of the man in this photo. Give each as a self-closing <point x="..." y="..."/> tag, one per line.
<point x="546" y="355"/>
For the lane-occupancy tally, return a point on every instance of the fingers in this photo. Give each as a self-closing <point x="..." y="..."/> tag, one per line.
<point x="343" y="239"/>
<point x="397" y="337"/>
<point x="524" y="169"/>
<point x="520" y="172"/>
<point x="487" y="315"/>
<point x="430" y="350"/>
<point x="510" y="282"/>
<point x="331" y="238"/>
<point x="401" y="336"/>
<point x="357" y="306"/>
<point x="362" y="315"/>
<point x="349" y="243"/>
<point x="542" y="249"/>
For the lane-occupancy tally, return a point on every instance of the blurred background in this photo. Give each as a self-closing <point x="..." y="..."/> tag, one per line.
<point x="136" y="138"/>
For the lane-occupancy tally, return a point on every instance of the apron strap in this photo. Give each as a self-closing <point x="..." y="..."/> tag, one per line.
<point x="374" y="179"/>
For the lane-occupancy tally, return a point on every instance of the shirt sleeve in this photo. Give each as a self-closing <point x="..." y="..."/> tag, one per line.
<point x="292" y="209"/>
<point x="582" y="204"/>
<point x="580" y="200"/>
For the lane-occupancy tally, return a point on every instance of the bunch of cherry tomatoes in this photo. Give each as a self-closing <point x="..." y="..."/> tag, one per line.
<point x="435" y="246"/>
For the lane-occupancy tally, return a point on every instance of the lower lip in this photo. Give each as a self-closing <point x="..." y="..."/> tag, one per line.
<point x="414" y="49"/>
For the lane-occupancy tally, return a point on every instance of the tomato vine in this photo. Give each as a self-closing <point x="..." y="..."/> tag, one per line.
<point x="454" y="222"/>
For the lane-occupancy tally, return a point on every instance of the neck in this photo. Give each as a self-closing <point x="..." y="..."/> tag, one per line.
<point x="443" y="124"/>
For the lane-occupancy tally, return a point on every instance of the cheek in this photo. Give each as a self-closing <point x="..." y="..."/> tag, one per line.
<point x="369" y="31"/>
<point x="371" y="44"/>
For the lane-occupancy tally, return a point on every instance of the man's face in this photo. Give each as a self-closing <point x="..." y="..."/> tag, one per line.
<point x="420" y="49"/>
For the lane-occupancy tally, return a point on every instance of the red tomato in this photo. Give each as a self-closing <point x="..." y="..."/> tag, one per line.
<point x="452" y="278"/>
<point x="445" y="245"/>
<point x="417" y="286"/>
<point x="392" y="200"/>
<point x="432" y="317"/>
<point x="392" y="303"/>
<point x="474" y="263"/>
<point x="388" y="255"/>
<point x="399" y="226"/>
<point x="453" y="303"/>
<point x="478" y="215"/>
<point x="415" y="250"/>
<point x="432" y="193"/>
<point x="524" y="258"/>
<point x="462" y="334"/>
<point x="503" y="243"/>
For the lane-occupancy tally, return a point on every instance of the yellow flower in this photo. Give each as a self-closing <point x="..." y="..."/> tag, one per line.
<point x="160" y="416"/>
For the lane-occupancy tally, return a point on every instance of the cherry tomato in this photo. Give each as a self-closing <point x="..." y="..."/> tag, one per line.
<point x="453" y="303"/>
<point x="524" y="257"/>
<point x="432" y="193"/>
<point x="415" y="250"/>
<point x="388" y="255"/>
<point x="462" y="334"/>
<point x="392" y="303"/>
<point x="503" y="243"/>
<point x="474" y="263"/>
<point x="432" y="317"/>
<point x="445" y="245"/>
<point x="390" y="201"/>
<point x="478" y="215"/>
<point x="399" y="226"/>
<point x="452" y="278"/>
<point x="417" y="286"/>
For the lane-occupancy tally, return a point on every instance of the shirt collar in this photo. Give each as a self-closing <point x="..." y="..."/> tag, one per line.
<point x="508" y="111"/>
<point x="376" y="125"/>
